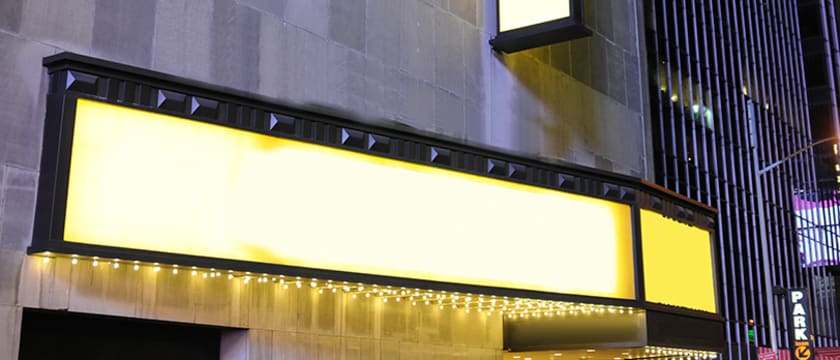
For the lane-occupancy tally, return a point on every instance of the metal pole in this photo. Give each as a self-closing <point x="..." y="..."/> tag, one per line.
<point x="762" y="231"/>
<point x="791" y="156"/>
<point x="762" y="226"/>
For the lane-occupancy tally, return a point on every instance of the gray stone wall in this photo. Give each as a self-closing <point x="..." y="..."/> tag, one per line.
<point x="282" y="323"/>
<point x="422" y="63"/>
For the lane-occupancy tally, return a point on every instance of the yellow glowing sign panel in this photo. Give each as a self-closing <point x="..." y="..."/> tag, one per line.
<point x="147" y="181"/>
<point x="515" y="14"/>
<point x="678" y="263"/>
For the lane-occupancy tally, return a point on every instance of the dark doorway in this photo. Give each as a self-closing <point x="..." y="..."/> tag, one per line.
<point x="48" y="335"/>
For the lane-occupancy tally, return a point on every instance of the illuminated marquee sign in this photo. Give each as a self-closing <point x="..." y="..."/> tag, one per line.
<point x="800" y="320"/>
<point x="211" y="191"/>
<point x="139" y="166"/>
<point x="678" y="263"/>
<point x="526" y="24"/>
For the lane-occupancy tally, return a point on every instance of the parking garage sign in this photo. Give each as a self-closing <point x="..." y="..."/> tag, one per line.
<point x="799" y="316"/>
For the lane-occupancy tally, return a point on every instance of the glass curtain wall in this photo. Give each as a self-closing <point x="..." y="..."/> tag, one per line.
<point x="713" y="64"/>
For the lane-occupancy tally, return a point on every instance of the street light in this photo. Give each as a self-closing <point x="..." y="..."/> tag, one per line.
<point x="759" y="194"/>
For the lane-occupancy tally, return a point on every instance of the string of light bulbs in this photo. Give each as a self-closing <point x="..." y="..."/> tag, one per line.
<point x="511" y="307"/>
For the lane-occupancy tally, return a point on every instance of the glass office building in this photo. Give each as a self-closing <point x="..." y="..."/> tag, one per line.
<point x="716" y="68"/>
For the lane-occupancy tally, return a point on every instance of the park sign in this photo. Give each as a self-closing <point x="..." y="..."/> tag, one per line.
<point x="799" y="317"/>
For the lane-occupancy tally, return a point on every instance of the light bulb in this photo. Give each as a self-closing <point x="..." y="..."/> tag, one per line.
<point x="74" y="261"/>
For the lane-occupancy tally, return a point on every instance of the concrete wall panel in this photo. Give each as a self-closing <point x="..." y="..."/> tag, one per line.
<point x="421" y="63"/>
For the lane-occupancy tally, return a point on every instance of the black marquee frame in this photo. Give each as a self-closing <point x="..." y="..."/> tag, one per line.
<point x="73" y="76"/>
<point x="542" y="34"/>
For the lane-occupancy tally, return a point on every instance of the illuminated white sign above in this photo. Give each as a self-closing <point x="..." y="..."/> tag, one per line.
<point x="526" y="24"/>
<point x="517" y="14"/>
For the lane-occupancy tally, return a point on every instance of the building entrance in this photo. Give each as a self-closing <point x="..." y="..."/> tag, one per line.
<point x="48" y="335"/>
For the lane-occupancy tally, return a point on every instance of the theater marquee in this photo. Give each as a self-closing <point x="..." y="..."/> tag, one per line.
<point x="147" y="181"/>
<point x="148" y="168"/>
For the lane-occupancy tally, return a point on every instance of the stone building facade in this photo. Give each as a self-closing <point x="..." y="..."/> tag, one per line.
<point x="424" y="64"/>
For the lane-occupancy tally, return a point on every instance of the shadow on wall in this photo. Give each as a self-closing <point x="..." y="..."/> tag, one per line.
<point x="580" y="101"/>
<point x="545" y="125"/>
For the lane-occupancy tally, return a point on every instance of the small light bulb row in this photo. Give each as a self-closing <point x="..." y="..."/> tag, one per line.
<point x="569" y="309"/>
<point x="655" y="351"/>
<point x="512" y="308"/>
